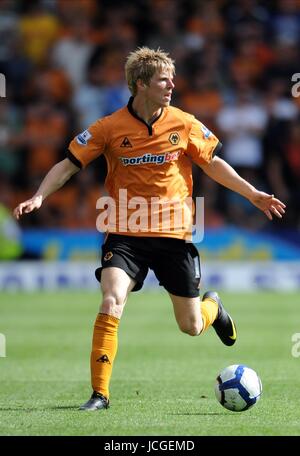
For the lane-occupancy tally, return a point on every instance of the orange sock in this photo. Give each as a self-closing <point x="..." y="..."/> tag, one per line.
<point x="209" y="311"/>
<point x="104" y="349"/>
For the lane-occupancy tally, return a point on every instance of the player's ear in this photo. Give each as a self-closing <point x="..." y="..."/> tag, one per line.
<point x="140" y="84"/>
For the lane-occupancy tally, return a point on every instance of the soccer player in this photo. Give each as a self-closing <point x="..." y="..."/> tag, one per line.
<point x="149" y="147"/>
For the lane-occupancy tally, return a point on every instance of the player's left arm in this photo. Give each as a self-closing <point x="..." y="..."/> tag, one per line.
<point x="224" y="174"/>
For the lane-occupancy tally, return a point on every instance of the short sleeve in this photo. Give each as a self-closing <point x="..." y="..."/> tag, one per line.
<point x="202" y="144"/>
<point x="88" y="145"/>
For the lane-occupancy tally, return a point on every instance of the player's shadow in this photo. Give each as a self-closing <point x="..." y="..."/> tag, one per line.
<point x="18" y="409"/>
<point x="197" y="414"/>
<point x="64" y="407"/>
<point x="36" y="409"/>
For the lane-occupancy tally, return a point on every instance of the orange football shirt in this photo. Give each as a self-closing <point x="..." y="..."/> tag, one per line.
<point x="149" y="177"/>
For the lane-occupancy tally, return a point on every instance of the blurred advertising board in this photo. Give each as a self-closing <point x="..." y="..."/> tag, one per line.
<point x="231" y="276"/>
<point x="220" y="244"/>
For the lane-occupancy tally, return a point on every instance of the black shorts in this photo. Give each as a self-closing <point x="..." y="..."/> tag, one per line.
<point x="175" y="262"/>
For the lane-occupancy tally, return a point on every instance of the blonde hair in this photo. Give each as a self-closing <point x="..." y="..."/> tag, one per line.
<point x="143" y="63"/>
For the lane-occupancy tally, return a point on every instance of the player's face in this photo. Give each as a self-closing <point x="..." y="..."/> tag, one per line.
<point x="159" y="91"/>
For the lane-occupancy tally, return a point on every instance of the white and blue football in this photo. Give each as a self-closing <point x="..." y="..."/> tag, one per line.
<point x="238" y="388"/>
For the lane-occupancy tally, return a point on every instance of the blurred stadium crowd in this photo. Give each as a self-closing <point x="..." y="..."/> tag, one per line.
<point x="64" y="66"/>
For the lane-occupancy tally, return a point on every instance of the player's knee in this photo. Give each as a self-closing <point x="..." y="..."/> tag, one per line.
<point x="113" y="304"/>
<point x="192" y="328"/>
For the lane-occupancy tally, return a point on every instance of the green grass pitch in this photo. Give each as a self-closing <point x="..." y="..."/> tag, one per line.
<point x="163" y="380"/>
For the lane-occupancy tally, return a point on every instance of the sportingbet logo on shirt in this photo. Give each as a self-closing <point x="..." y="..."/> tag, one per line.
<point x="158" y="159"/>
<point x="83" y="137"/>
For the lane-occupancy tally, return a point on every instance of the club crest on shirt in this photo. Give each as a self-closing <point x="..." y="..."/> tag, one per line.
<point x="108" y="256"/>
<point x="174" y="138"/>
<point x="83" y="137"/>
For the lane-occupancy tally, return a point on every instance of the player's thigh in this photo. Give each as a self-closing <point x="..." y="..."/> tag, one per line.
<point x="177" y="267"/>
<point x="187" y="313"/>
<point x="125" y="253"/>
<point x="116" y="285"/>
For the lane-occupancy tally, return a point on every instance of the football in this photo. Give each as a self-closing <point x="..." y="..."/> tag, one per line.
<point x="238" y="388"/>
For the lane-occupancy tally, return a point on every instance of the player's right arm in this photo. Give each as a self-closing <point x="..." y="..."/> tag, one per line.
<point x="58" y="175"/>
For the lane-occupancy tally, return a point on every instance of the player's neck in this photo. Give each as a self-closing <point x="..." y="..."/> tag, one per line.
<point x="145" y="109"/>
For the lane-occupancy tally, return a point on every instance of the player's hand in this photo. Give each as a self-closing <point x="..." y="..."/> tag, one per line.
<point x="28" y="206"/>
<point x="268" y="204"/>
